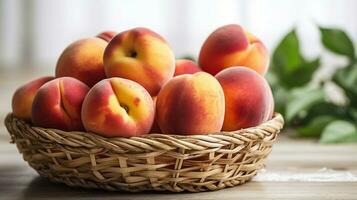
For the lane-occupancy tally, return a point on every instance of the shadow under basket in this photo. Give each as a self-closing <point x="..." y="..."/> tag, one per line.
<point x="152" y="162"/>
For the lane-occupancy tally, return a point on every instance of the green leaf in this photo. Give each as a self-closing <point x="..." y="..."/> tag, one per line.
<point x="280" y="94"/>
<point x="337" y="41"/>
<point x="353" y="113"/>
<point x="287" y="56"/>
<point x="280" y="98"/>
<point x="290" y="67"/>
<point x="339" y="131"/>
<point x="301" y="100"/>
<point x="315" y="127"/>
<point x="346" y="78"/>
<point x="272" y="79"/>
<point x="302" y="75"/>
<point x="325" y="108"/>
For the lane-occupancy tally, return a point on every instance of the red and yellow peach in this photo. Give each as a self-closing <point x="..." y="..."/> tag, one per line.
<point x="106" y="35"/>
<point x="24" y="95"/>
<point x="57" y="104"/>
<point x="118" y="107"/>
<point x="184" y="66"/>
<point x="83" y="60"/>
<point x="191" y="104"/>
<point x="248" y="98"/>
<point x="140" y="55"/>
<point x="231" y="45"/>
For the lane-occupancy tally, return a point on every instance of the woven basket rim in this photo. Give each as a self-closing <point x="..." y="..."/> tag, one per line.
<point x="150" y="142"/>
<point x="277" y="118"/>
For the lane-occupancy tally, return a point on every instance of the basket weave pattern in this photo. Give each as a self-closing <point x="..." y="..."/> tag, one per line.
<point x="152" y="162"/>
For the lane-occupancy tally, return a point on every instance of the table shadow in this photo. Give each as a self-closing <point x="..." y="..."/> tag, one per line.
<point x="42" y="188"/>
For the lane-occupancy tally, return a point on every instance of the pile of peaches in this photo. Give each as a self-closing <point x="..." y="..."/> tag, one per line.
<point x="129" y="84"/>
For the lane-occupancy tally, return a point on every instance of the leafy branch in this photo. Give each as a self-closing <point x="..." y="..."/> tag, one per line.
<point x="306" y="106"/>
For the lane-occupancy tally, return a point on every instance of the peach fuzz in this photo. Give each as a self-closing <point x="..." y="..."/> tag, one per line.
<point x="140" y="55"/>
<point x="248" y="97"/>
<point x="58" y="103"/>
<point x="191" y="104"/>
<point x="118" y="107"/>
<point x="83" y="60"/>
<point x="24" y="95"/>
<point x="231" y="45"/>
<point x="184" y="66"/>
<point x="107" y="35"/>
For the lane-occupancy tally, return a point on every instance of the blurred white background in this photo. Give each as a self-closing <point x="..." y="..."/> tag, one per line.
<point x="34" y="32"/>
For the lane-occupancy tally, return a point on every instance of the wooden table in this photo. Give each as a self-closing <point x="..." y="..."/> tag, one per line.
<point x="296" y="169"/>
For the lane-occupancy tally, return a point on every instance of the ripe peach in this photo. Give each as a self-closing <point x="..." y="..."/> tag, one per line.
<point x="106" y="35"/>
<point x="118" y="107"/>
<point x="83" y="60"/>
<point x="140" y="55"/>
<point x="248" y="97"/>
<point x="155" y="126"/>
<point x="229" y="46"/>
<point x="191" y="104"/>
<point x="57" y="104"/>
<point x="24" y="95"/>
<point x="184" y="66"/>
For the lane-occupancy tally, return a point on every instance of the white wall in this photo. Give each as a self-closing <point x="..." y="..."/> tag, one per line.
<point x="36" y="31"/>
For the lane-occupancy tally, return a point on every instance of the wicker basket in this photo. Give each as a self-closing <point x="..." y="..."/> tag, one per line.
<point x="152" y="162"/>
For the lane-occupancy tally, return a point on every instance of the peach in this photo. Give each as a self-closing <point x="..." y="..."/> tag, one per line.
<point x="106" y="35"/>
<point x="118" y="107"/>
<point x="155" y="126"/>
<point x="83" y="60"/>
<point x="140" y="55"/>
<point x="231" y="45"/>
<point x="248" y="97"/>
<point x="191" y="104"/>
<point x="58" y="103"/>
<point x="24" y="95"/>
<point x="184" y="66"/>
